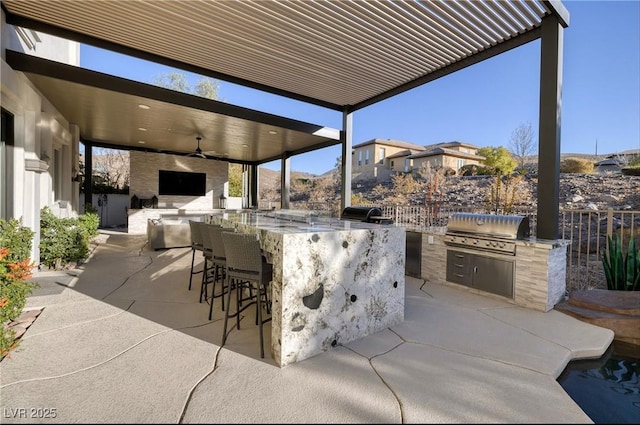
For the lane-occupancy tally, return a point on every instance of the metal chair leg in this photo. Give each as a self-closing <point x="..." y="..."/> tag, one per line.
<point x="193" y="258"/>
<point x="226" y="314"/>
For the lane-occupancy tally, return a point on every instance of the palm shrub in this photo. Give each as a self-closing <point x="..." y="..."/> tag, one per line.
<point x="15" y="270"/>
<point x="621" y="269"/>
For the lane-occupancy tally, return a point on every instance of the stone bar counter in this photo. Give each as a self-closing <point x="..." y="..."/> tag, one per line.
<point x="334" y="281"/>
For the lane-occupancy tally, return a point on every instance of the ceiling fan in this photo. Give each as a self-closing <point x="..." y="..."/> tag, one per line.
<point x="198" y="151"/>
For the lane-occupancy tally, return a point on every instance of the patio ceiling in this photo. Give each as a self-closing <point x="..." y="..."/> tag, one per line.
<point x="107" y="111"/>
<point x="342" y="55"/>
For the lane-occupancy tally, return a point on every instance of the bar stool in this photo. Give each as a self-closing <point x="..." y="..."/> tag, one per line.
<point x="219" y="263"/>
<point x="246" y="270"/>
<point x="196" y="245"/>
<point x="207" y="252"/>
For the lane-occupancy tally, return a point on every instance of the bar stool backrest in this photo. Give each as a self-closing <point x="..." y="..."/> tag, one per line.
<point x="243" y="252"/>
<point x="207" y="245"/>
<point x="215" y="235"/>
<point x="196" y="235"/>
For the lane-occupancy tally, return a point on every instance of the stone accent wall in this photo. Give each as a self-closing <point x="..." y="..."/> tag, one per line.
<point x="434" y="258"/>
<point x="540" y="270"/>
<point x="144" y="168"/>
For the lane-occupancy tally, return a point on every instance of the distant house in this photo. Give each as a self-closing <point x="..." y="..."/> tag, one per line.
<point x="373" y="158"/>
<point x="615" y="162"/>
<point x="609" y="165"/>
<point x="379" y="158"/>
<point x="400" y="162"/>
<point x="452" y="155"/>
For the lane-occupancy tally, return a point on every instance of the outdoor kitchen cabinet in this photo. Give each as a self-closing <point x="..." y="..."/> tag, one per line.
<point x="413" y="261"/>
<point x="483" y="272"/>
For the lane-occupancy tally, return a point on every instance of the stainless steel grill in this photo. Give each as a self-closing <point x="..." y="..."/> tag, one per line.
<point x="487" y="232"/>
<point x="365" y="214"/>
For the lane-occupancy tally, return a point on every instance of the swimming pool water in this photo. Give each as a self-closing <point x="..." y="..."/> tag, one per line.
<point x="607" y="389"/>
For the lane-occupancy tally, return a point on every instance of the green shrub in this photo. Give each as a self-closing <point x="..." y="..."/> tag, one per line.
<point x="17" y="238"/>
<point x="634" y="161"/>
<point x="631" y="171"/>
<point x="65" y="240"/>
<point x="90" y="221"/>
<point x="576" y="166"/>
<point x="499" y="159"/>
<point x="621" y="269"/>
<point x="90" y="209"/>
<point x="15" y="269"/>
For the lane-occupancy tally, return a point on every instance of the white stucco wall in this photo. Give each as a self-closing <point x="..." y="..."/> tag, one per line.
<point x="45" y="145"/>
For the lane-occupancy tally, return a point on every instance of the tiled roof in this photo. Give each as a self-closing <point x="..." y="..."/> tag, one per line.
<point x="452" y="144"/>
<point x="391" y="142"/>
<point x="405" y="152"/>
<point x="448" y="152"/>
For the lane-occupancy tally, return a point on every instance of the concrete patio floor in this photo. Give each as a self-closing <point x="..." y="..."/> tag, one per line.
<point x="122" y="340"/>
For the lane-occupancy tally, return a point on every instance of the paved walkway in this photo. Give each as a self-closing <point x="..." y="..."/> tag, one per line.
<point x="122" y="340"/>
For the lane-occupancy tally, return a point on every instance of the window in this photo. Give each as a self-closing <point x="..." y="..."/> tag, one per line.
<point x="407" y="163"/>
<point x="460" y="163"/>
<point x="391" y="163"/>
<point x="6" y="165"/>
<point x="366" y="157"/>
<point x="382" y="153"/>
<point x="359" y="158"/>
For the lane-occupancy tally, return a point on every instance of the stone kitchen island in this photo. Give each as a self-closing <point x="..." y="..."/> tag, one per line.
<point x="334" y="281"/>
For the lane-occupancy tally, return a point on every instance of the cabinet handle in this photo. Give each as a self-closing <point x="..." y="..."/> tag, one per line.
<point x="459" y="256"/>
<point x="459" y="265"/>
<point x="475" y="269"/>
<point x="459" y="275"/>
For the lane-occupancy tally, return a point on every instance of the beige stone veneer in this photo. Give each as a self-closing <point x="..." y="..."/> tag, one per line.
<point x="540" y="270"/>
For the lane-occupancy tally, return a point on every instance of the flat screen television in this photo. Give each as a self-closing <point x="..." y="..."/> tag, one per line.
<point x="181" y="183"/>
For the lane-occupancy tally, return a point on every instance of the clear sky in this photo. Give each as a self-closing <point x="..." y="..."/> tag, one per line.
<point x="481" y="104"/>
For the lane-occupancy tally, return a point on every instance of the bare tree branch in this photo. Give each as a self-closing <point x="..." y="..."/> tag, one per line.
<point x="522" y="143"/>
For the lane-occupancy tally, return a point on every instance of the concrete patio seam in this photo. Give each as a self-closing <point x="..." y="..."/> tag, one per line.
<point x="27" y="336"/>
<point x="386" y="384"/>
<point x="124" y="282"/>
<point x="519" y="366"/>
<point x="84" y="369"/>
<point x="197" y="384"/>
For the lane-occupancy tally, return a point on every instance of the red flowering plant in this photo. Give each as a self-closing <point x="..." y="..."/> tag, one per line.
<point x="15" y="271"/>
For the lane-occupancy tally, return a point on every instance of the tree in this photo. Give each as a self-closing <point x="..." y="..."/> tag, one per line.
<point x="111" y="168"/>
<point x="434" y="179"/>
<point x="499" y="159"/>
<point x="504" y="193"/>
<point x="522" y="143"/>
<point x="235" y="180"/>
<point x="403" y="185"/>
<point x="204" y="87"/>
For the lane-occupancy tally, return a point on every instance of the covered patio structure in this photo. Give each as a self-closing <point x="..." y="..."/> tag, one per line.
<point x="344" y="56"/>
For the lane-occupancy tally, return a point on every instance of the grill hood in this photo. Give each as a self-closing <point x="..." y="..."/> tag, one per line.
<point x="489" y="225"/>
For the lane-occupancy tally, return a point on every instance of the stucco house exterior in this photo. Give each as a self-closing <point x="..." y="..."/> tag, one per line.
<point x="39" y="147"/>
<point x="401" y="162"/>
<point x="379" y="158"/>
<point x="370" y="159"/>
<point x="452" y="155"/>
